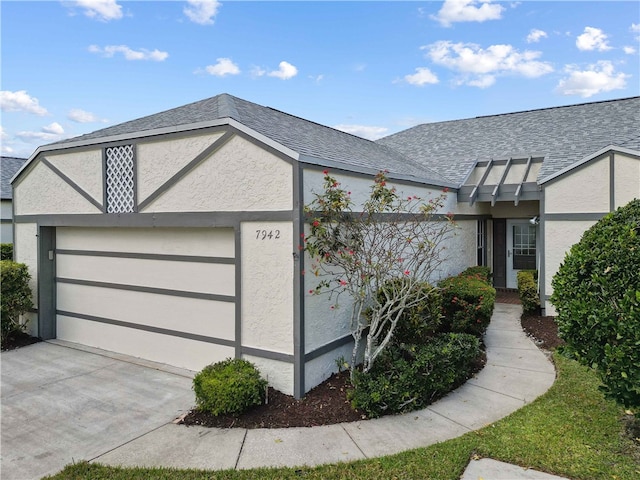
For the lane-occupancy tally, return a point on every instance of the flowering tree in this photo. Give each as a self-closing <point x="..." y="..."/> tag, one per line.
<point x="380" y="255"/>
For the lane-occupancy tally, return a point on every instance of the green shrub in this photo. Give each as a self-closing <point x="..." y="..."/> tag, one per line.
<point x="6" y="251"/>
<point x="596" y="293"/>
<point x="479" y="272"/>
<point x="406" y="378"/>
<point x="15" y="296"/>
<point x="230" y="386"/>
<point x="418" y="323"/>
<point x="467" y="304"/>
<point x="528" y="291"/>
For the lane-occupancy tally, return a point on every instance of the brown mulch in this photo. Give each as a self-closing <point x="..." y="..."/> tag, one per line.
<point x="17" y="340"/>
<point x="326" y="404"/>
<point x="543" y="331"/>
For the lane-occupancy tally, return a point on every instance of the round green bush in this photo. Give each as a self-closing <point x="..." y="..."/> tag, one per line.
<point x="410" y="377"/>
<point x="596" y="293"/>
<point x="15" y="296"/>
<point x="418" y="323"/>
<point x="229" y="387"/>
<point x="467" y="304"/>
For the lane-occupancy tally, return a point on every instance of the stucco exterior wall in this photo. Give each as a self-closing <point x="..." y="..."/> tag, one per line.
<point x="627" y="179"/>
<point x="321" y="368"/>
<point x="584" y="190"/>
<point x="26" y="252"/>
<point x="6" y="227"/>
<point x="559" y="236"/>
<point x="44" y="192"/>
<point x="527" y="209"/>
<point x="267" y="285"/>
<point x="240" y="176"/>
<point x="278" y="374"/>
<point x="159" y="160"/>
<point x="84" y="168"/>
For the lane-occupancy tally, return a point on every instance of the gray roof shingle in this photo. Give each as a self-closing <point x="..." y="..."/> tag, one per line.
<point x="309" y="139"/>
<point x="8" y="168"/>
<point x="563" y="135"/>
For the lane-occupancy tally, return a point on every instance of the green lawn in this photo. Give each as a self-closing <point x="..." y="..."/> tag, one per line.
<point x="570" y="431"/>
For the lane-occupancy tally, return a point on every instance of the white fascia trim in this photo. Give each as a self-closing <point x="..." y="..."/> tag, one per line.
<point x="599" y="153"/>
<point x="322" y="162"/>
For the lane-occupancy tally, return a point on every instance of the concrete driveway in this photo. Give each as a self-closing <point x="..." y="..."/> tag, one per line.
<point x="62" y="405"/>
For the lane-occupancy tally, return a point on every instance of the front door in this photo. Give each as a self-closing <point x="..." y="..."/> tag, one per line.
<point x="521" y="249"/>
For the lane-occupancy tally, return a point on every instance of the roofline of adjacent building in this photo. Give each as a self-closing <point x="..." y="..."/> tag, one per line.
<point x="588" y="158"/>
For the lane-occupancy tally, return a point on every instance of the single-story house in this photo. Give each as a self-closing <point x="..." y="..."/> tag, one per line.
<point x="8" y="168"/>
<point x="176" y="237"/>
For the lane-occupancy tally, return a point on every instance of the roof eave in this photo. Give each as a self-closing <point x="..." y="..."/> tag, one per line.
<point x="588" y="158"/>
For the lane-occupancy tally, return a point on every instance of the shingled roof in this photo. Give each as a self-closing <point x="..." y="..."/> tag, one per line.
<point x="562" y="135"/>
<point x="315" y="143"/>
<point x="8" y="168"/>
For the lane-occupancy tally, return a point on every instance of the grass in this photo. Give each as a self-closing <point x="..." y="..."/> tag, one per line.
<point x="570" y="431"/>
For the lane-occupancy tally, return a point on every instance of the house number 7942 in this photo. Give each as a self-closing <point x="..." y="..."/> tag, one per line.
<point x="267" y="234"/>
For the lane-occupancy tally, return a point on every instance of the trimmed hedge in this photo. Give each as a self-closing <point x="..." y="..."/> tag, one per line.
<point x="15" y="296"/>
<point x="467" y="304"/>
<point x="6" y="251"/>
<point x="597" y="295"/>
<point x="479" y="272"/>
<point x="419" y="323"/>
<point x="528" y="291"/>
<point x="230" y="386"/>
<point x="406" y="378"/>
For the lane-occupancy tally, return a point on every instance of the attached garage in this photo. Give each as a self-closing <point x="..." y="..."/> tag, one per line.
<point x="167" y="295"/>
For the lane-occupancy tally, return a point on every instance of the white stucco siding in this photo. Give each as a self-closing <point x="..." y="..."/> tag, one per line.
<point x="213" y="242"/>
<point x="26" y="251"/>
<point x="6" y="227"/>
<point x="526" y="209"/>
<point x="6" y="209"/>
<point x="583" y="190"/>
<point x="83" y="168"/>
<point x="278" y="374"/>
<point x="461" y="250"/>
<point x="559" y="236"/>
<point x="240" y="176"/>
<point x="171" y="350"/>
<point x="41" y="191"/>
<point x="627" y="179"/>
<point x="267" y="285"/>
<point x="321" y="368"/>
<point x="158" y="161"/>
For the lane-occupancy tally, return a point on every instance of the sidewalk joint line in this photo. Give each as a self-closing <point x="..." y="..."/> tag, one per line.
<point x="244" y="438"/>
<point x="354" y="442"/>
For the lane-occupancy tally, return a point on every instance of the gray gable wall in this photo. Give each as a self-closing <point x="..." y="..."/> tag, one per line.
<point x="562" y="135"/>
<point x="8" y="168"/>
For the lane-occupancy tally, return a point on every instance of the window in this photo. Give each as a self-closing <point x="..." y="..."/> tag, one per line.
<point x="119" y="168"/>
<point x="524" y="247"/>
<point x="482" y="242"/>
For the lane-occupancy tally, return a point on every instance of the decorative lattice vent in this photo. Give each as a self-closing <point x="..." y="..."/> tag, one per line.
<point x="120" y="179"/>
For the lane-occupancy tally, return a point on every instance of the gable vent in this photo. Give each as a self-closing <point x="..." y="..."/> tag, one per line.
<point x="120" y="179"/>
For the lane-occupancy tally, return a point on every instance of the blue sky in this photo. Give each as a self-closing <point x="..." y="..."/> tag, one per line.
<point x="369" y="68"/>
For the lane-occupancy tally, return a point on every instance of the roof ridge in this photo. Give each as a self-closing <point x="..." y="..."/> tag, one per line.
<point x="227" y="106"/>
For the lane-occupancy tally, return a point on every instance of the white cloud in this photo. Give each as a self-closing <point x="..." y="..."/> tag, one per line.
<point x="480" y="66"/>
<point x="202" y="12"/>
<point x="258" y="72"/>
<point x="468" y="11"/>
<point x="600" y="77"/>
<point x="55" y="128"/>
<point x="364" y="131"/>
<point x="103" y="10"/>
<point x="592" y="39"/>
<point x="635" y="28"/>
<point x="81" y="116"/>
<point x="224" y="67"/>
<point x="629" y="50"/>
<point x="21" y="101"/>
<point x="535" y="35"/>
<point x="130" y="54"/>
<point x="284" y="72"/>
<point x="422" y="77"/>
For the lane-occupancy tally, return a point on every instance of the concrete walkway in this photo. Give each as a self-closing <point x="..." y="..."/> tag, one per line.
<point x="516" y="373"/>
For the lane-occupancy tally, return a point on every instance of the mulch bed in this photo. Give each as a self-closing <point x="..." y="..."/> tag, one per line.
<point x="543" y="331"/>
<point x="17" y="340"/>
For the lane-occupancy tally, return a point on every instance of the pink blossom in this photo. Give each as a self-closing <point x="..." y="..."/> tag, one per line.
<point x="343" y="282"/>
<point x="407" y="272"/>
<point x="326" y="172"/>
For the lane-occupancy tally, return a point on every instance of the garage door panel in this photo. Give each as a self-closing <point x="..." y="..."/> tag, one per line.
<point x="211" y="242"/>
<point x="172" y="350"/>
<point x="208" y="318"/>
<point x="213" y="278"/>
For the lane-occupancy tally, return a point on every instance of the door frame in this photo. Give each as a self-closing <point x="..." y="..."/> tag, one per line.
<point x="511" y="273"/>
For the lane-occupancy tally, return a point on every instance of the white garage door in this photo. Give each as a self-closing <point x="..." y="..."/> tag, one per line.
<point x="166" y="295"/>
